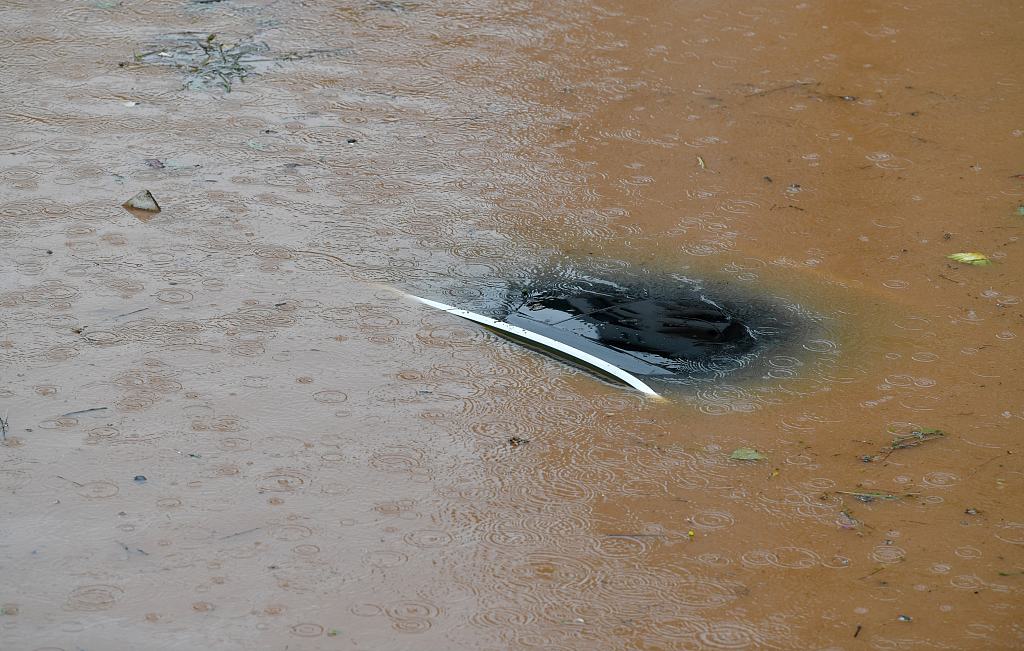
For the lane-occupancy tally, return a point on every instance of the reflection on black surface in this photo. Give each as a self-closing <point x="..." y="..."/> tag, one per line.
<point x="639" y="333"/>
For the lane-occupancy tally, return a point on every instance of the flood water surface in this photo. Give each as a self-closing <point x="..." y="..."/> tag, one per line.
<point x="225" y="427"/>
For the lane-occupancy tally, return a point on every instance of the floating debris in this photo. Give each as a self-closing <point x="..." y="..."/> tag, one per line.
<point x="904" y="618"/>
<point x="845" y="520"/>
<point x="916" y="438"/>
<point x="746" y="454"/>
<point x="872" y="573"/>
<point x="904" y="441"/>
<point x="204" y="61"/>
<point x="83" y="411"/>
<point x="240" y="533"/>
<point x="870" y="496"/>
<point x="129" y="550"/>
<point x="154" y="163"/>
<point x="975" y="259"/>
<point x="143" y="206"/>
<point x="515" y="442"/>
<point x="139" y="479"/>
<point x="208" y="62"/>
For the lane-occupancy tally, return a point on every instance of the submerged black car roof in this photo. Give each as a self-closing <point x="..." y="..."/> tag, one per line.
<point x="639" y="333"/>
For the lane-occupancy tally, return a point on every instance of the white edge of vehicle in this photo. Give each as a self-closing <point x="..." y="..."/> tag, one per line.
<point x="547" y="342"/>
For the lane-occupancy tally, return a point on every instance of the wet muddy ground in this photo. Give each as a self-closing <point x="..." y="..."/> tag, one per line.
<point x="226" y="429"/>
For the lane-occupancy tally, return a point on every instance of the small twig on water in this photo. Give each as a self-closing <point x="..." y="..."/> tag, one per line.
<point x="871" y="573"/>
<point x="635" y="535"/>
<point x="83" y="411"/>
<point x="81" y="329"/>
<point x="129" y="313"/>
<point x="240" y="533"/>
<point x="761" y="93"/>
<point x="3" y="426"/>
<point x="324" y="255"/>
<point x="904" y="441"/>
<point x="985" y="463"/>
<point x="871" y="496"/>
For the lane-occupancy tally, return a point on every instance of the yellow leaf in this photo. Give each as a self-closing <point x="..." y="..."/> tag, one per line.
<point x="976" y="259"/>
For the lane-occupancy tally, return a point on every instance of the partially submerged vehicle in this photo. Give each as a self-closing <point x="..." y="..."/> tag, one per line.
<point x="640" y="336"/>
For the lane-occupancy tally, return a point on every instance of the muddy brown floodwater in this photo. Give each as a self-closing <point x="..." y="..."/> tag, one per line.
<point x="226" y="430"/>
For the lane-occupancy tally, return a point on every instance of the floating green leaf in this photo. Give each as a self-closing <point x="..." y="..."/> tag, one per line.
<point x="746" y="454"/>
<point x="976" y="259"/>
